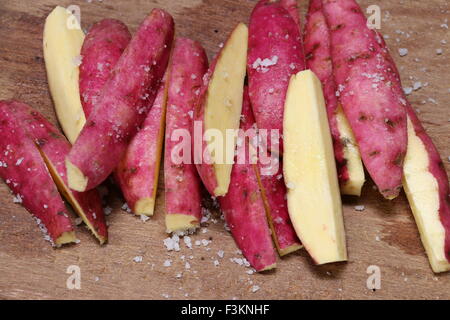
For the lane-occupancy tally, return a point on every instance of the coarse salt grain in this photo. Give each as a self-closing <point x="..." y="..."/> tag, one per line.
<point x="137" y="259"/>
<point x="359" y="208"/>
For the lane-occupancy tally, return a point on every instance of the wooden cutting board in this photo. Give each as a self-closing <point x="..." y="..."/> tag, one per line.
<point x="383" y="235"/>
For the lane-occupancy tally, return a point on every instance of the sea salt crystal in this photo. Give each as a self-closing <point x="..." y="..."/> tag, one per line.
<point x="187" y="266"/>
<point x="17" y="199"/>
<point x="221" y="253"/>
<point x="19" y="161"/>
<point x="167" y="263"/>
<point x="408" y="90"/>
<point x="255" y="288"/>
<point x="216" y="263"/>
<point x="290" y="185"/>
<point x="417" y="85"/>
<point x="77" y="60"/>
<point x="187" y="242"/>
<point x="402" y="52"/>
<point x="360" y="208"/>
<point x="439" y="51"/>
<point x="107" y="210"/>
<point x="137" y="259"/>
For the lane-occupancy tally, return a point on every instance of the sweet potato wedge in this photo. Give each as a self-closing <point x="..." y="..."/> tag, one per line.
<point x="123" y="104"/>
<point x="182" y="184"/>
<point x="138" y="171"/>
<point x="318" y="59"/>
<point x="62" y="41"/>
<point x="370" y="93"/>
<point x="25" y="173"/>
<point x="314" y="200"/>
<point x="243" y="205"/>
<point x="102" y="48"/>
<point x="273" y="191"/>
<point x="426" y="186"/>
<point x="219" y="110"/>
<point x="275" y="52"/>
<point x="54" y="147"/>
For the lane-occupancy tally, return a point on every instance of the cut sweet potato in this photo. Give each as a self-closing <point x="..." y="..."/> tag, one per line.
<point x="314" y="201"/>
<point x="427" y="189"/>
<point x="243" y="205"/>
<point x="273" y="192"/>
<point x="138" y="171"/>
<point x="318" y="59"/>
<point x="123" y="104"/>
<point x="62" y="46"/>
<point x="54" y="147"/>
<point x="370" y="93"/>
<point x="25" y="173"/>
<point x="182" y="184"/>
<point x="102" y="48"/>
<point x="275" y="53"/>
<point x="219" y="110"/>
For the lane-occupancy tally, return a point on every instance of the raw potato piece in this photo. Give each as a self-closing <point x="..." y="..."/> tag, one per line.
<point x="274" y="191"/>
<point x="426" y="186"/>
<point x="275" y="53"/>
<point x="182" y="184"/>
<point x="25" y="173"/>
<point x="138" y="171"/>
<point x="243" y="206"/>
<point x="102" y="48"/>
<point x="123" y="104"/>
<point x="219" y="110"/>
<point x="63" y="39"/>
<point x="314" y="200"/>
<point x="318" y="59"/>
<point x="370" y="92"/>
<point x="54" y="147"/>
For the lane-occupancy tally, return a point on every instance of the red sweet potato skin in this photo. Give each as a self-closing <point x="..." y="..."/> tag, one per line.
<point x="292" y="7"/>
<point x="125" y="99"/>
<point x="243" y="206"/>
<point x="102" y="48"/>
<point x="273" y="35"/>
<point x="26" y="174"/>
<point x="370" y="92"/>
<point x="182" y="183"/>
<point x="139" y="168"/>
<point x="318" y="59"/>
<point x="56" y="147"/>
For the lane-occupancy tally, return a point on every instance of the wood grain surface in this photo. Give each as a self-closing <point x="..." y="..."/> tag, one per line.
<point x="384" y="234"/>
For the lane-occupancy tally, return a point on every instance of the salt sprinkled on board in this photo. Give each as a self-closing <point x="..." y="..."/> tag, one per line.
<point x="19" y="161"/>
<point x="144" y="218"/>
<point x="167" y="263"/>
<point x="137" y="259"/>
<point x="439" y="51"/>
<point x="221" y="253"/>
<point x="402" y="52"/>
<point x="360" y="208"/>
<point x="255" y="288"/>
<point x="408" y="90"/>
<point x="216" y="263"/>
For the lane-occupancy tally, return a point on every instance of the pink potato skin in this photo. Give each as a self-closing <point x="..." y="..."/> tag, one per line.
<point x="318" y="59"/>
<point x="274" y="192"/>
<point x="292" y="7"/>
<point x="370" y="92"/>
<point x="55" y="146"/>
<point x="273" y="33"/>
<point x="26" y="174"/>
<point x="182" y="184"/>
<point x="102" y="48"/>
<point x="243" y="207"/>
<point x="125" y="99"/>
<point x="138" y="170"/>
